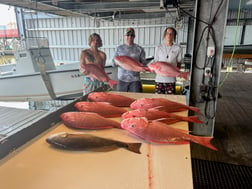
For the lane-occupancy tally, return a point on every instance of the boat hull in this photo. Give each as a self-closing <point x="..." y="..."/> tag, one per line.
<point x="65" y="84"/>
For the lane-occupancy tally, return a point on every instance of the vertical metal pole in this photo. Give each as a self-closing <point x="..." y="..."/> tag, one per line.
<point x="210" y="22"/>
<point x="20" y="22"/>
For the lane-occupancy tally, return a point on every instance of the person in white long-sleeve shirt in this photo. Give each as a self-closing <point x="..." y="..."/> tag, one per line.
<point x="171" y="53"/>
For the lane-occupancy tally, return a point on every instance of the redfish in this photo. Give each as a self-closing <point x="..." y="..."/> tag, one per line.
<point x="114" y="99"/>
<point x="88" y="120"/>
<point x="163" y="105"/>
<point x="102" y="108"/>
<point x="96" y="72"/>
<point x="129" y="63"/>
<point x="154" y="114"/>
<point x="167" y="70"/>
<point x="80" y="141"/>
<point x="158" y="132"/>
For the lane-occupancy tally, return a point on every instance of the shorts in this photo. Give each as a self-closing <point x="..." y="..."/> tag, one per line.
<point x="90" y="85"/>
<point x="164" y="88"/>
<point x="134" y="86"/>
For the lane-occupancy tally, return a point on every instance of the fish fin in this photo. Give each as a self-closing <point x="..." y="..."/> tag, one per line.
<point x="160" y="108"/>
<point x="89" y="128"/>
<point x="184" y="75"/>
<point x="195" y="109"/>
<point x="183" y="131"/>
<point x="112" y="83"/>
<point x="170" y="141"/>
<point x="193" y="119"/>
<point x="147" y="69"/>
<point x="111" y="115"/>
<point x="205" y="141"/>
<point x="134" y="147"/>
<point x="170" y="121"/>
<point x="166" y="120"/>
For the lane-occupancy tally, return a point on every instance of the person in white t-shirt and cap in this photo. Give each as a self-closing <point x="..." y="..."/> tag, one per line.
<point x="171" y="53"/>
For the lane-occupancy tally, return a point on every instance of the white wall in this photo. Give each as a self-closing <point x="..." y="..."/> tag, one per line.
<point x="69" y="35"/>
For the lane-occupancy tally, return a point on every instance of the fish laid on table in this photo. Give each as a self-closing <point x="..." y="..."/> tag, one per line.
<point x="96" y="72"/>
<point x="154" y="114"/>
<point x="88" y="120"/>
<point x="158" y="132"/>
<point x="102" y="108"/>
<point x="129" y="63"/>
<point x="88" y="142"/>
<point x="114" y="99"/>
<point x="163" y="105"/>
<point x="167" y="70"/>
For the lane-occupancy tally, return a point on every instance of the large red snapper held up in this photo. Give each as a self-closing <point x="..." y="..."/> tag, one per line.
<point x="129" y="63"/>
<point x="114" y="99"/>
<point x="158" y="132"/>
<point x="154" y="114"/>
<point x="163" y="105"/>
<point x="102" y="108"/>
<point x="96" y="72"/>
<point x="88" y="120"/>
<point x="167" y="70"/>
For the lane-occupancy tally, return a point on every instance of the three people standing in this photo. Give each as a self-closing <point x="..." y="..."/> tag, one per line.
<point x="129" y="81"/>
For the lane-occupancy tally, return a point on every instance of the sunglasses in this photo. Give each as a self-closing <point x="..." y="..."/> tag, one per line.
<point x="130" y="35"/>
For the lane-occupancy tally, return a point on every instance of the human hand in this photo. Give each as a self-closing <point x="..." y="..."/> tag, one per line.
<point x="85" y="72"/>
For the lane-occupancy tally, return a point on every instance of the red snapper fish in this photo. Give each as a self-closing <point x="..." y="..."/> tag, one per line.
<point x="114" y="99"/>
<point x="96" y="72"/>
<point x="129" y="63"/>
<point x="154" y="114"/>
<point x="158" y="132"/>
<point x="88" y="120"/>
<point x="167" y="70"/>
<point x="102" y="108"/>
<point x="162" y="104"/>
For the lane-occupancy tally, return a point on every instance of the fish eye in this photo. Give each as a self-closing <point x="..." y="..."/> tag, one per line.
<point x="132" y="126"/>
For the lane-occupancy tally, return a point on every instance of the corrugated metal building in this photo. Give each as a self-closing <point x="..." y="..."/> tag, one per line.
<point x="69" y="35"/>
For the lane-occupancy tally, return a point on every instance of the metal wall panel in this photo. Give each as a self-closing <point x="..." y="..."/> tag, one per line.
<point x="69" y="35"/>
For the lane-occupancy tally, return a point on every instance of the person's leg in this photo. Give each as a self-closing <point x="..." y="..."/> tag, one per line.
<point x="122" y="86"/>
<point x="136" y="86"/>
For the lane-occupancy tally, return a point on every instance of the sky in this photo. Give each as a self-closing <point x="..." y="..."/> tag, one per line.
<point x="7" y="14"/>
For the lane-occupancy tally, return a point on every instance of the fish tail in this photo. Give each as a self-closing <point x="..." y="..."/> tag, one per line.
<point x="205" y="141"/>
<point x="112" y="83"/>
<point x="195" y="109"/>
<point x="185" y="75"/>
<point x="147" y="69"/>
<point x="134" y="147"/>
<point x="194" y="119"/>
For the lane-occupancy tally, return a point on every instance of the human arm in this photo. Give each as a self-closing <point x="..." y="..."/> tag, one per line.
<point x="179" y="58"/>
<point x="114" y="64"/>
<point x="83" y="62"/>
<point x="156" y="58"/>
<point x="142" y="57"/>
